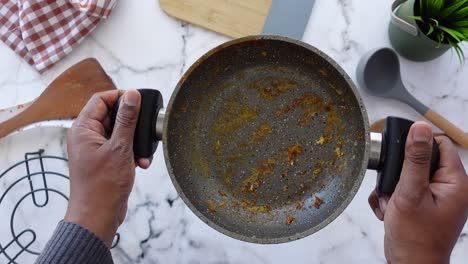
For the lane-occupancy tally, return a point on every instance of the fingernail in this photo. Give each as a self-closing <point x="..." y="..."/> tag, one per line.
<point x="378" y="213"/>
<point x="383" y="204"/>
<point x="422" y="134"/>
<point x="145" y="163"/>
<point x="131" y="98"/>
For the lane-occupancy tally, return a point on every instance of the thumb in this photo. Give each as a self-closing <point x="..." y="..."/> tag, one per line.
<point x="127" y="118"/>
<point x="414" y="178"/>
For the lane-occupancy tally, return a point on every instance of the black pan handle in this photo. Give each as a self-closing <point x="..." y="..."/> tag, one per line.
<point x="145" y="141"/>
<point x="393" y="154"/>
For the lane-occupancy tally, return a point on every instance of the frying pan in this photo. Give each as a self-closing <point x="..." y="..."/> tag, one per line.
<point x="267" y="140"/>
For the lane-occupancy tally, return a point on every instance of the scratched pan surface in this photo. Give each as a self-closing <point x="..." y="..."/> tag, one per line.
<point x="266" y="139"/>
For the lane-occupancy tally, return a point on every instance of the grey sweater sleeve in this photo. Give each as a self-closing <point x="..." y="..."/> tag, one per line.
<point x="72" y="244"/>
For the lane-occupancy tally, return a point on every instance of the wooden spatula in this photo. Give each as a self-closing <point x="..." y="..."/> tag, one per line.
<point x="64" y="97"/>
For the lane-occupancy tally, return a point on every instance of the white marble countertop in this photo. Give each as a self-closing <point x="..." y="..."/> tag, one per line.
<point x="140" y="46"/>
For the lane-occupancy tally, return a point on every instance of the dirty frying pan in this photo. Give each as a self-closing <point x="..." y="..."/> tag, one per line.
<point x="267" y="140"/>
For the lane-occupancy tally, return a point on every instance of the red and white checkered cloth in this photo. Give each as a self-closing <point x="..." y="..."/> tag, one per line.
<point x="44" y="31"/>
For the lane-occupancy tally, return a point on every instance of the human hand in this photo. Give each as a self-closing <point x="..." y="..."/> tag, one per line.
<point x="102" y="164"/>
<point x="423" y="219"/>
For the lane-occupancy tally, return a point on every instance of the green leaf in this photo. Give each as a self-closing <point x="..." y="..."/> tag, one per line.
<point x="417" y="18"/>
<point x="433" y="7"/>
<point x="440" y="38"/>
<point x="431" y="29"/>
<point x="461" y="54"/>
<point x="430" y="7"/>
<point x="438" y="4"/>
<point x="450" y="10"/>
<point x="426" y="7"/>
<point x="458" y="50"/>
<point x="453" y="33"/>
<point x="463" y="31"/>
<point x="463" y="23"/>
<point x="460" y="14"/>
<point x="435" y="21"/>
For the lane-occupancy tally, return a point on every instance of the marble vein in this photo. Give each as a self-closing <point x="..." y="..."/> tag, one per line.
<point x="186" y="33"/>
<point x="123" y="66"/>
<point x="140" y="46"/>
<point x="346" y="9"/>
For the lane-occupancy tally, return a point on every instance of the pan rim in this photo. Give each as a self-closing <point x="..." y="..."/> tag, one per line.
<point x="359" y="177"/>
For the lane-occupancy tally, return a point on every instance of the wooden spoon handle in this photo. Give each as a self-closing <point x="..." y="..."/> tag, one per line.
<point x="455" y="133"/>
<point x="379" y="125"/>
<point x="439" y="134"/>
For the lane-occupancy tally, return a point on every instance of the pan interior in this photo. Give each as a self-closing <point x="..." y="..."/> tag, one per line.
<point x="265" y="140"/>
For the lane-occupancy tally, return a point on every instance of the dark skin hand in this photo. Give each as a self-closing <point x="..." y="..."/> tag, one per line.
<point x="423" y="219"/>
<point x="102" y="165"/>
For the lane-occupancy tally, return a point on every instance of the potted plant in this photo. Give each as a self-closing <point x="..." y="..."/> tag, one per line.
<point x="423" y="30"/>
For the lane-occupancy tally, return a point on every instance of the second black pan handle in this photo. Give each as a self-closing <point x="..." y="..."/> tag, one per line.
<point x="145" y="141"/>
<point x="393" y="154"/>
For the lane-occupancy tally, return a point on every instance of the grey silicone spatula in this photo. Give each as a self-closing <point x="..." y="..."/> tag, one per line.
<point x="378" y="73"/>
<point x="288" y="18"/>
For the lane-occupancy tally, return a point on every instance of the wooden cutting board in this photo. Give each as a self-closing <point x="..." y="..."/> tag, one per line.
<point x="239" y="18"/>
<point x="231" y="18"/>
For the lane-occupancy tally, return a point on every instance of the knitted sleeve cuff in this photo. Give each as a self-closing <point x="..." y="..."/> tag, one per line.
<point x="72" y="244"/>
